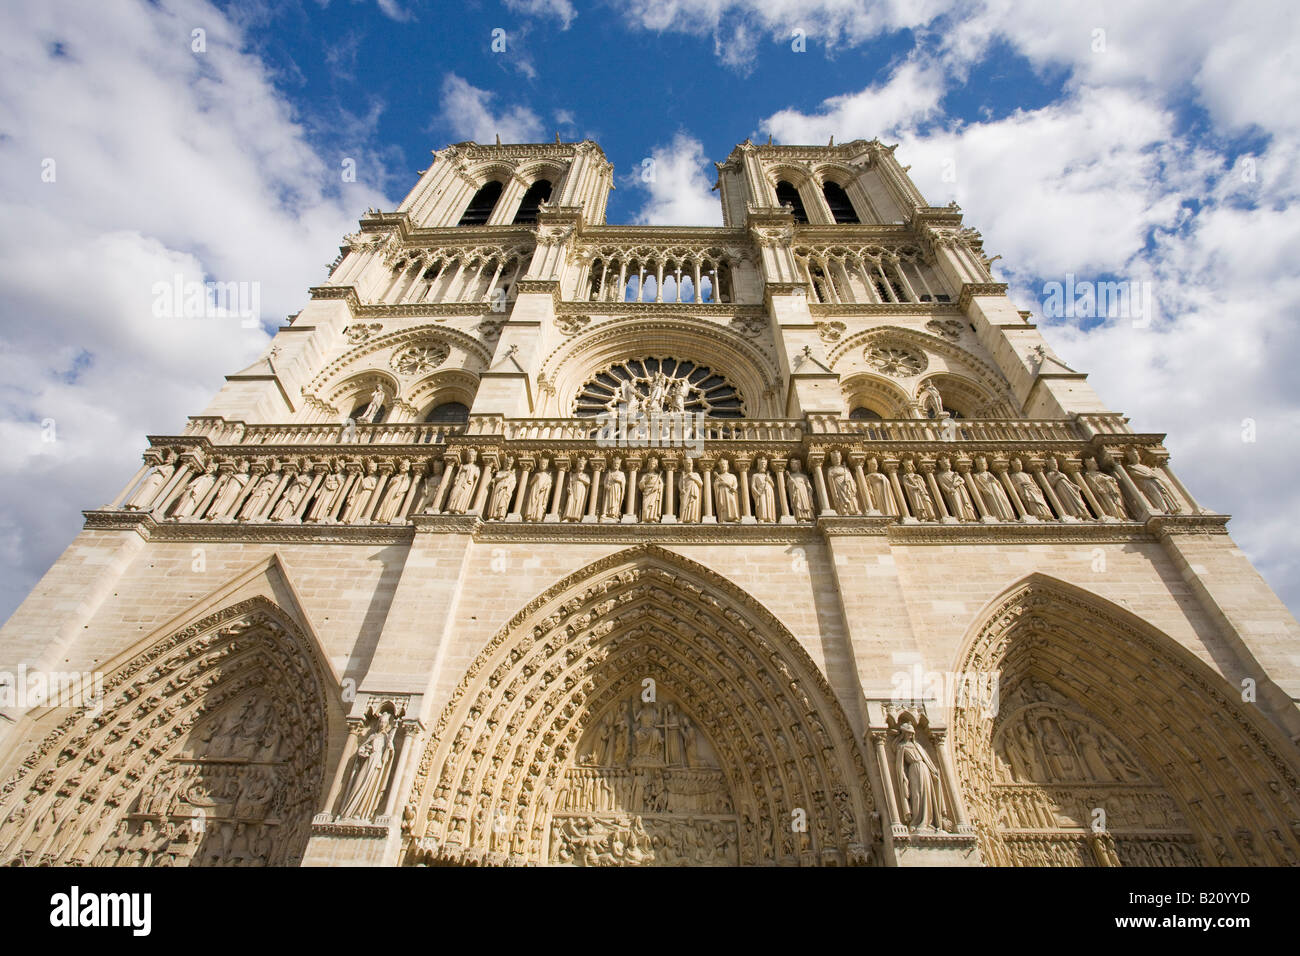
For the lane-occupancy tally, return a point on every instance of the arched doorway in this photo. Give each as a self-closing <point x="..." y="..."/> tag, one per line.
<point x="208" y="750"/>
<point x="1112" y="746"/>
<point x="644" y="711"/>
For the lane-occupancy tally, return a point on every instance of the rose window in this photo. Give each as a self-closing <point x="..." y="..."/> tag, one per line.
<point x="896" y="361"/>
<point x="662" y="385"/>
<point x="418" y="359"/>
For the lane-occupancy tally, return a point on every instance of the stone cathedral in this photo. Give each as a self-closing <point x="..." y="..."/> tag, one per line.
<point x="534" y="540"/>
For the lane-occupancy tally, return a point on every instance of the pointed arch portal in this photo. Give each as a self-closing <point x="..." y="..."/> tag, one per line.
<point x="643" y="711"/>
<point x="1113" y="746"/>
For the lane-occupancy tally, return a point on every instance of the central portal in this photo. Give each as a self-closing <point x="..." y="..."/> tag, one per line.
<point x="646" y="791"/>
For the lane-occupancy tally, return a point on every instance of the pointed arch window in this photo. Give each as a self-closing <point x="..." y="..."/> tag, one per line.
<point x="786" y="194"/>
<point x="840" y="205"/>
<point x="448" y="413"/>
<point x="538" y="193"/>
<point x="480" y="207"/>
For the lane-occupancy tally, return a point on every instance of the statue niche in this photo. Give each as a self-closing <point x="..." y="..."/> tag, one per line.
<point x="646" y="790"/>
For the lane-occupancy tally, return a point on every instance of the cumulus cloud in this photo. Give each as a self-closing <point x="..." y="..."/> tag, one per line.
<point x="467" y="111"/>
<point x="561" y="10"/>
<point x="130" y="159"/>
<point x="679" y="188"/>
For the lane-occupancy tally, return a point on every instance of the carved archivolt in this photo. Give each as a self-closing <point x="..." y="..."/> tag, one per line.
<point x="1113" y="746"/>
<point x="549" y="747"/>
<point x="208" y="750"/>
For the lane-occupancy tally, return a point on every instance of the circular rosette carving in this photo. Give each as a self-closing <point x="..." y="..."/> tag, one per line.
<point x="660" y="385"/>
<point x="896" y="361"/>
<point x="418" y="359"/>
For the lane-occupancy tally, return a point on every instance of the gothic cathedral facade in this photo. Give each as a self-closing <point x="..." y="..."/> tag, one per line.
<point x="534" y="540"/>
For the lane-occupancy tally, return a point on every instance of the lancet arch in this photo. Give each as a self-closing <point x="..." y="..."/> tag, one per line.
<point x="1112" y="745"/>
<point x="207" y="747"/>
<point x="521" y="766"/>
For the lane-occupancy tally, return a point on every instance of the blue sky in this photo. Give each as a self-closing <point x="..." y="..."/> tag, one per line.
<point x="1142" y="142"/>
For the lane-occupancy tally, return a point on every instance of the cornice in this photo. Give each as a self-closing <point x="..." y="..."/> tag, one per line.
<point x="971" y="289"/>
<point x="1008" y="532"/>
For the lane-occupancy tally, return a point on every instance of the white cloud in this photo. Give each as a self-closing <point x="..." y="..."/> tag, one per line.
<point x="680" y="191"/>
<point x="167" y="162"/>
<point x="467" y="111"/>
<point x="911" y="94"/>
<point x="562" y="10"/>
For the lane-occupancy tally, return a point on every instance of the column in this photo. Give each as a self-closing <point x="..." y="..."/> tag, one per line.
<point x="1072" y="470"/>
<point x="633" y="471"/>
<point x="318" y="475"/>
<point x="746" y="509"/>
<point x="904" y="508"/>
<point x="487" y="466"/>
<point x="135" y="480"/>
<point x="593" y="497"/>
<point x="706" y="516"/>
<point x="188" y="466"/>
<point x="962" y="468"/>
<point x="385" y="475"/>
<point x="1035" y="468"/>
<point x="819" y="479"/>
<point x="940" y="505"/>
<point x="999" y="468"/>
<point x="557" y="489"/>
<point x="670" y="481"/>
<point x="521" y="489"/>
<point x="782" y="500"/>
<point x="940" y="738"/>
<point x="855" y="459"/>
<point x="417" y="471"/>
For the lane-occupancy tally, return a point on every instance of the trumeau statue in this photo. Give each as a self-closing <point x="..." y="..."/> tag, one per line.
<point x="651" y="487"/>
<point x="462" y="492"/>
<point x="579" y="486"/>
<point x="371" y="768"/>
<point x="1150" y="483"/>
<point x="917" y="779"/>
<point x="725" y="494"/>
<point x="615" y="488"/>
<point x="918" y="495"/>
<point x="991" y="492"/>
<point x="763" y="492"/>
<point x="691" y="491"/>
<point x="503" y="488"/>
<point x="539" y="492"/>
<point x="844" y="493"/>
<point x="800" y="490"/>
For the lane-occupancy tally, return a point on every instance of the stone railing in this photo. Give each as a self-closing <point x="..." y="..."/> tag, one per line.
<point x="948" y="429"/>
<point x="219" y="431"/>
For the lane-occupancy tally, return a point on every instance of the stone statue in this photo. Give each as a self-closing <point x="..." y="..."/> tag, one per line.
<point x="763" y="491"/>
<point x="228" y="493"/>
<point x="918" y="495"/>
<point x="991" y="492"/>
<point x="801" y="492"/>
<point x="880" y="496"/>
<point x="539" y="492"/>
<point x="152" y="484"/>
<point x="291" y="498"/>
<point x="256" y="502"/>
<point x="931" y="401"/>
<point x="680" y="393"/>
<point x="844" y="492"/>
<point x="630" y="399"/>
<point x="1105" y="489"/>
<point x="615" y="487"/>
<point x="1150" y="483"/>
<point x="1067" y="492"/>
<point x="954" y="491"/>
<point x="371" y="768"/>
<point x="371" y="411"/>
<point x="326" y="497"/>
<point x="725" y="495"/>
<point x="462" y="492"/>
<point x="195" y="492"/>
<point x="918" y="783"/>
<point x="1030" y="494"/>
<point x="503" y="489"/>
<point x="359" y="497"/>
<point x="658" y="392"/>
<point x="651" y="486"/>
<point x="579" y="486"/>
<point x="394" y="493"/>
<point x="691" y="490"/>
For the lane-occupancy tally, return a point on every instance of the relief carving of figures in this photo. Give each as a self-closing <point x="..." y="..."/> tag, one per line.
<point x="1105" y="489"/>
<point x="918" y="495"/>
<point x="1150" y="483"/>
<point x="579" y="487"/>
<point x="1067" y="492"/>
<point x="293" y="495"/>
<point x="1031" y="496"/>
<point x="991" y="492"/>
<point x="326" y="497"/>
<point x="691" y="491"/>
<point x="539" y="492"/>
<point x="763" y="491"/>
<point x="371" y="768"/>
<point x="394" y="493"/>
<point x="228" y="493"/>
<point x="503" y="489"/>
<point x="615" y="487"/>
<point x="651" y="486"/>
<point x="360" y="496"/>
<point x="726" y="498"/>
<point x="954" y="490"/>
<point x="462" y="492"/>
<point x="262" y="492"/>
<point x="801" y="492"/>
<point x="917" y="779"/>
<point x="152" y="483"/>
<point x="844" y="492"/>
<point x="880" y="497"/>
<point x="195" y="492"/>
